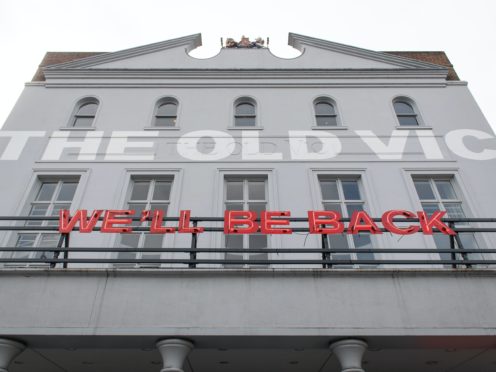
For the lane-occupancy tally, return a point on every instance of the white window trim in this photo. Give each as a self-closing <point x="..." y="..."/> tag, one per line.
<point x="32" y="189"/>
<point x="75" y="107"/>
<point x="174" y="206"/>
<point x="273" y="241"/>
<point x="153" y="111"/>
<point x="339" y="119"/>
<point x="412" y="102"/>
<point x="232" y="112"/>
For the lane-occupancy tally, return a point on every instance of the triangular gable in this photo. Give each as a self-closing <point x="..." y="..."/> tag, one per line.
<point x="316" y="54"/>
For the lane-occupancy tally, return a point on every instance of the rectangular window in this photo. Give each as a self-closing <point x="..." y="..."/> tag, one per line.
<point x="343" y="195"/>
<point x="145" y="194"/>
<point x="248" y="193"/>
<point x="438" y="193"/>
<point x="52" y="195"/>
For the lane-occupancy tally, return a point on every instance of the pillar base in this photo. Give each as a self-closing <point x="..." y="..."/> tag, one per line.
<point x="8" y="351"/>
<point x="349" y="353"/>
<point x="174" y="352"/>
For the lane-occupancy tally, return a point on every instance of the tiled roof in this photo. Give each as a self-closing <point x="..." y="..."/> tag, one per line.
<point x="53" y="58"/>
<point x="438" y="58"/>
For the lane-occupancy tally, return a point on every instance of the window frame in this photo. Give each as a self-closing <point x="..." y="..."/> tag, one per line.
<point x="416" y="113"/>
<point x="74" y="114"/>
<point x="329" y="100"/>
<point x="159" y="102"/>
<point x="249" y="100"/>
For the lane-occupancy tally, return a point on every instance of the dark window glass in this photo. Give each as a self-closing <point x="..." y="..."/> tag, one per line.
<point x="85" y="115"/>
<point x="245" y="115"/>
<point x="166" y="115"/>
<point x="405" y="113"/>
<point x="325" y="114"/>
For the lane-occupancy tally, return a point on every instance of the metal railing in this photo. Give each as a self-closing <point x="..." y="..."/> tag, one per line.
<point x="60" y="255"/>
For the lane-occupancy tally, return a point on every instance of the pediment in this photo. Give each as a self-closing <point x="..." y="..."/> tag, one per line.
<point x="315" y="54"/>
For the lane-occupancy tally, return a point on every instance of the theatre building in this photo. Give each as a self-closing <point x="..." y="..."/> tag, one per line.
<point x="245" y="212"/>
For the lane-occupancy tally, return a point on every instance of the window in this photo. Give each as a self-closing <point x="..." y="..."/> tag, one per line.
<point x="166" y="113"/>
<point x="325" y="113"/>
<point x="145" y="194"/>
<point x="248" y="194"/>
<point x="245" y="113"/>
<point x="85" y="113"/>
<point x="51" y="196"/>
<point x="438" y="194"/>
<point x="405" y="112"/>
<point x="343" y="195"/>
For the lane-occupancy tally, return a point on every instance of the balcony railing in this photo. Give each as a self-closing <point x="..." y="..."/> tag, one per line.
<point x="62" y="255"/>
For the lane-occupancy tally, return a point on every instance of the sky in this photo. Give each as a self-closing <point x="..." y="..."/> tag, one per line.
<point x="465" y="30"/>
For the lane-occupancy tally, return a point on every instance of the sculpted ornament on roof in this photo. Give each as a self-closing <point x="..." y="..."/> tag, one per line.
<point x="245" y="43"/>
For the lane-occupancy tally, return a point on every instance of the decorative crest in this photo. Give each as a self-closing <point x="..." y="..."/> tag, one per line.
<point x="245" y="43"/>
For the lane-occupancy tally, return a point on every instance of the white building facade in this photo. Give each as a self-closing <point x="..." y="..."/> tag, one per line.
<point x="338" y="128"/>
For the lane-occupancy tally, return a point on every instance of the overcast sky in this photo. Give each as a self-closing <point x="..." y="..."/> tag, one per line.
<point x="465" y="30"/>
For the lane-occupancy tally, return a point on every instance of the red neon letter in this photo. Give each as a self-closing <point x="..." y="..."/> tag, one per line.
<point x="232" y="220"/>
<point x="184" y="226"/>
<point x="367" y="225"/>
<point x="156" y="228"/>
<point x="434" y="221"/>
<point x="268" y="222"/>
<point x="388" y="222"/>
<point x="317" y="223"/>
<point x="85" y="226"/>
<point x="110" y="219"/>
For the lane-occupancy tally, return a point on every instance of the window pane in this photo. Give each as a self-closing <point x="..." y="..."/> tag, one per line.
<point x="67" y="191"/>
<point x="165" y="122"/>
<point x="88" y="109"/>
<point x="454" y="210"/>
<point x="234" y="241"/>
<point x="329" y="190"/>
<point x="83" y="122"/>
<point x="244" y="122"/>
<point x="46" y="191"/>
<point x="234" y="190"/>
<point x="234" y="206"/>
<point x="445" y="189"/>
<point x="258" y="241"/>
<point x="323" y="121"/>
<point x="138" y="208"/>
<point x="167" y="109"/>
<point x="257" y="207"/>
<point x="129" y="241"/>
<point x="324" y="108"/>
<point x="49" y="240"/>
<point x="140" y="190"/>
<point x="37" y="211"/>
<point x="162" y="190"/>
<point x="430" y="208"/>
<point x="403" y="108"/>
<point x="424" y="190"/>
<point x="256" y="190"/>
<point x="353" y="207"/>
<point x="350" y="190"/>
<point x="363" y="241"/>
<point x="55" y="212"/>
<point x="408" y="120"/>
<point x="153" y="240"/>
<point x="337" y="241"/>
<point x="245" y="109"/>
<point x="333" y="207"/>
<point x="25" y="240"/>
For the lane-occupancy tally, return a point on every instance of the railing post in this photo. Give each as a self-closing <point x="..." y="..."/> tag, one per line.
<point x="460" y="247"/>
<point x="194" y="243"/>
<point x="66" y="252"/>
<point x="325" y="255"/>
<point x="452" y="244"/>
<point x="57" y="252"/>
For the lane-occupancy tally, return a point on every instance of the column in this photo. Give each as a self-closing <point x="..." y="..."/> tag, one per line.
<point x="174" y="353"/>
<point x="8" y="351"/>
<point x="349" y="353"/>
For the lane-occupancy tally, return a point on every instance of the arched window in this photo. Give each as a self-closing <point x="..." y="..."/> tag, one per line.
<point x="245" y="113"/>
<point x="85" y="113"/>
<point x="325" y="113"/>
<point x="166" y="113"/>
<point x="405" y="112"/>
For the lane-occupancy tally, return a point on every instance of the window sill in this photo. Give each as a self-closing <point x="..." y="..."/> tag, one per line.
<point x="329" y="127"/>
<point x="245" y="128"/>
<point x="77" y="129"/>
<point x="161" y="128"/>
<point x="413" y="127"/>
